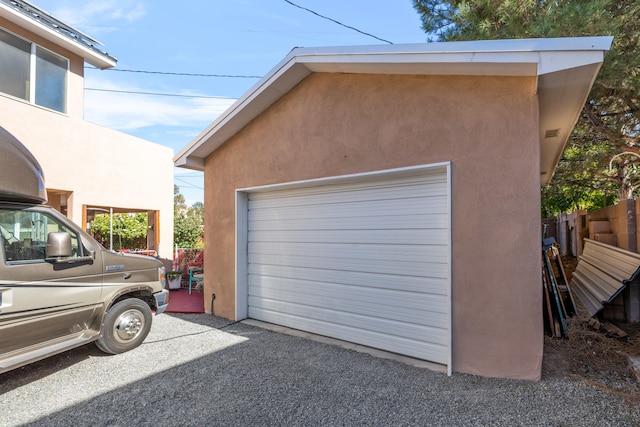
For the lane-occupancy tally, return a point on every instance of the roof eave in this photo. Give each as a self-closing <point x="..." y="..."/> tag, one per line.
<point x="572" y="62"/>
<point x="91" y="55"/>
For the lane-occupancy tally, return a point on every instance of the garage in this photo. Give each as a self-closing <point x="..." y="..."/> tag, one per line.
<point x="363" y="258"/>
<point x="330" y="188"/>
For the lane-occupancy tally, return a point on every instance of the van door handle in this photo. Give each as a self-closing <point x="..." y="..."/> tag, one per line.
<point x="126" y="276"/>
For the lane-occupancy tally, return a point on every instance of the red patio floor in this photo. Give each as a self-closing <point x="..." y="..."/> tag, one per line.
<point x="181" y="302"/>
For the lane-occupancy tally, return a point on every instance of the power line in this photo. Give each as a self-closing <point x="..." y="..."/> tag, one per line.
<point x="170" y="73"/>
<point x="337" y="22"/>
<point x="188" y="184"/>
<point x="158" y="94"/>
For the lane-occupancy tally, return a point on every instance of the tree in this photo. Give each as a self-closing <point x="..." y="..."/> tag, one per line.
<point x="608" y="128"/>
<point x="179" y="204"/>
<point x="188" y="222"/>
<point x="129" y="230"/>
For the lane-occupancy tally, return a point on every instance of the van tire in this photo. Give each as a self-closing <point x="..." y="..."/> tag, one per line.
<point x="126" y="325"/>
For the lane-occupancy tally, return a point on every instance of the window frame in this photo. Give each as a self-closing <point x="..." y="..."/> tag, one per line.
<point x="33" y="73"/>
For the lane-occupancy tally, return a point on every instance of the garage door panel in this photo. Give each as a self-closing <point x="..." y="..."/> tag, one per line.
<point x="410" y="237"/>
<point x="351" y="199"/>
<point x="396" y="328"/>
<point x="415" y="253"/>
<point x="317" y="293"/>
<point x="364" y="191"/>
<point x="416" y="348"/>
<point x="387" y="312"/>
<point x="402" y="222"/>
<point x="371" y="211"/>
<point x="408" y="323"/>
<point x="366" y="260"/>
<point x="274" y="265"/>
<point x="315" y="267"/>
<point x="367" y="279"/>
<point x="351" y="208"/>
<point x="423" y="310"/>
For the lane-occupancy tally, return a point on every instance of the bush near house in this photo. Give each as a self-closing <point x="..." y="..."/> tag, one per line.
<point x="129" y="230"/>
<point x="188" y="222"/>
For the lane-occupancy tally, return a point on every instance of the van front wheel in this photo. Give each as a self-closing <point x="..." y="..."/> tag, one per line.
<point x="125" y="326"/>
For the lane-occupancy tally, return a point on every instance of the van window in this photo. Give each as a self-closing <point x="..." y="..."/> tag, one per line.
<point x="24" y="235"/>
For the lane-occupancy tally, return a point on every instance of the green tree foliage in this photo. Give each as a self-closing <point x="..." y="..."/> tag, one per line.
<point x="608" y="128"/>
<point x="188" y="222"/>
<point x="179" y="203"/>
<point x="129" y="230"/>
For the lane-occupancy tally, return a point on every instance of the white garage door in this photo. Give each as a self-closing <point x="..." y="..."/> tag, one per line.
<point x="365" y="260"/>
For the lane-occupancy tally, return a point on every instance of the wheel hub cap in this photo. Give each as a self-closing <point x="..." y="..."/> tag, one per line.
<point x="128" y="327"/>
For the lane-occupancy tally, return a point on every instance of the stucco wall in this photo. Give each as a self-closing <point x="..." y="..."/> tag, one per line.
<point x="335" y="124"/>
<point x="102" y="167"/>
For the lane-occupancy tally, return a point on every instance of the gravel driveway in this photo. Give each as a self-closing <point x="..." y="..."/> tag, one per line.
<point x="199" y="370"/>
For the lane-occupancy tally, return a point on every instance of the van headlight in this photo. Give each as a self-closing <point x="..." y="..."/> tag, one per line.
<point x="161" y="274"/>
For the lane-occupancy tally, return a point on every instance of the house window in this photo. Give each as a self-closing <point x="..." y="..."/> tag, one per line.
<point x="51" y="80"/>
<point x="15" y="56"/>
<point x="32" y="73"/>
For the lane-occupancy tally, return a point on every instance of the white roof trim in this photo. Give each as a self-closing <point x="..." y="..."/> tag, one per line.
<point x="90" y="54"/>
<point x="569" y="64"/>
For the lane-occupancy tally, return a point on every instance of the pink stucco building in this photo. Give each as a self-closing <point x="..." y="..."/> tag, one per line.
<point x="390" y="195"/>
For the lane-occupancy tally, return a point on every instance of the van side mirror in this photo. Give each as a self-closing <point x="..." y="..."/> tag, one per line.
<point x="58" y="245"/>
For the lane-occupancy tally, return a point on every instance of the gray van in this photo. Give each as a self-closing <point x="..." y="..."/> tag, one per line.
<point x="59" y="288"/>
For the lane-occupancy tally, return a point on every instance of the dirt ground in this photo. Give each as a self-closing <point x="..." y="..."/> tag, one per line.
<point x="594" y="356"/>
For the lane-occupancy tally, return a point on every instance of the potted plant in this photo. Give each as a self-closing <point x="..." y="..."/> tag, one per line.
<point x="174" y="278"/>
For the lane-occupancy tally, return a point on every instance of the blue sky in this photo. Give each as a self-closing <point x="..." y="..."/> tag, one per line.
<point x="215" y="37"/>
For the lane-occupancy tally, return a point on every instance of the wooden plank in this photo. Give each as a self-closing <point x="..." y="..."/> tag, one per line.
<point x="556" y="285"/>
<point x="571" y="302"/>
<point x="547" y="302"/>
<point x="563" y="284"/>
<point x="556" y="296"/>
<point x="614" y="331"/>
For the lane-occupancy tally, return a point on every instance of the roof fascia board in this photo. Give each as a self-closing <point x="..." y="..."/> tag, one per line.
<point x="551" y="62"/>
<point x="481" y="64"/>
<point x="474" y="47"/>
<point x="529" y="57"/>
<point x="92" y="56"/>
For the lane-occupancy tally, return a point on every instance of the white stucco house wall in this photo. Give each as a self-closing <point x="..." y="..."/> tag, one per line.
<point x="89" y="169"/>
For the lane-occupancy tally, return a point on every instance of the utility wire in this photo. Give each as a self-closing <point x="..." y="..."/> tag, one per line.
<point x="216" y="75"/>
<point x="159" y="94"/>
<point x="169" y="73"/>
<point x="337" y="22"/>
<point x="189" y="184"/>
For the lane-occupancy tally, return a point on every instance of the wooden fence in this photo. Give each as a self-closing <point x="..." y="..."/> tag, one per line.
<point x="615" y="225"/>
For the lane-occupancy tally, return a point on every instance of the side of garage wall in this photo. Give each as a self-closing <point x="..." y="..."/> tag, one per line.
<point x="339" y="124"/>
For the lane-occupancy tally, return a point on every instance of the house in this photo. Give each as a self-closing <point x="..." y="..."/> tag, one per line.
<point x="89" y="169"/>
<point x="390" y="195"/>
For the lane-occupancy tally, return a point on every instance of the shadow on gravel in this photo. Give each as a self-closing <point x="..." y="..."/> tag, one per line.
<point x="35" y="371"/>
<point x="275" y="379"/>
<point x="45" y="367"/>
<point x="202" y="319"/>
